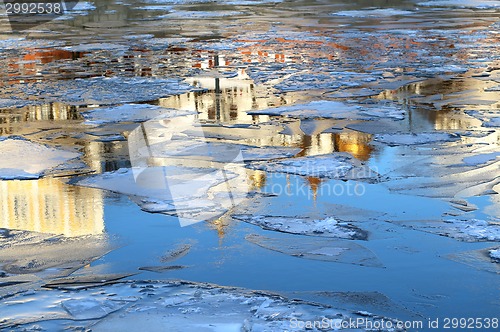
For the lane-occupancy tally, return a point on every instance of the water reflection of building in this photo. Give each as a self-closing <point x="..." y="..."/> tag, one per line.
<point x="50" y="206"/>
<point x="439" y="103"/>
<point x="31" y="64"/>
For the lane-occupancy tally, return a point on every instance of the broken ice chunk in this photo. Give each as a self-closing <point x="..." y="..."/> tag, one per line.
<point x="415" y="138"/>
<point x="328" y="227"/>
<point x="340" y="251"/>
<point x="493" y="122"/>
<point x="495" y="254"/>
<point x="23" y="159"/>
<point x="87" y="308"/>
<point x="379" y="12"/>
<point x="130" y="113"/>
<point x="314" y="109"/>
<point x="480" y="158"/>
<point x="479" y="4"/>
<point x="334" y="166"/>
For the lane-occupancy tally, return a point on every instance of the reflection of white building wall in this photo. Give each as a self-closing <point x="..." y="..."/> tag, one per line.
<point x="237" y="95"/>
<point x="50" y="206"/>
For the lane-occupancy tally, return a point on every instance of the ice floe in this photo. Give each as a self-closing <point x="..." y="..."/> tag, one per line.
<point x="101" y="90"/>
<point x="328" y="227"/>
<point x="130" y="113"/>
<point x="479" y="4"/>
<point x="465" y="229"/>
<point x="378" y="12"/>
<point x="339" y="251"/>
<point x="23" y="159"/>
<point x="164" y="306"/>
<point x="480" y="159"/>
<point x="334" y="110"/>
<point x="415" y="138"/>
<point x="477" y="229"/>
<point x="333" y="166"/>
<point x="191" y="194"/>
<point x="495" y="254"/>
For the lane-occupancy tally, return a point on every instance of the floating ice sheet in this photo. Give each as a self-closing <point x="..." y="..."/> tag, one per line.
<point x="479" y="4"/>
<point x="470" y="230"/>
<point x="379" y="12"/>
<point x="334" y="110"/>
<point x="192" y="194"/>
<point x="328" y="227"/>
<point x="333" y="166"/>
<point x="130" y="113"/>
<point x="101" y="90"/>
<point x="23" y="159"/>
<point x="495" y="254"/>
<point x="340" y="251"/>
<point x="481" y="158"/>
<point x="164" y="306"/>
<point x="415" y="138"/>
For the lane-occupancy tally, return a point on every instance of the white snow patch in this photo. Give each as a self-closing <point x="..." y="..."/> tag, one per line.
<point x="495" y="254"/>
<point x="329" y="227"/>
<point x="22" y="159"/>
<point x="476" y="228"/>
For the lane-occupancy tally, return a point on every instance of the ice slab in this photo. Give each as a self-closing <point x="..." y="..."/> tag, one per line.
<point x="481" y="158"/>
<point x="130" y="113"/>
<point x="23" y="159"/>
<point x="379" y="12"/>
<point x="480" y="259"/>
<point x="164" y="306"/>
<point x="83" y="308"/>
<point x="328" y="227"/>
<point x="333" y="166"/>
<point x="478" y="4"/>
<point x="41" y="253"/>
<point x="340" y="251"/>
<point x="495" y="254"/>
<point x="192" y="194"/>
<point x="469" y="230"/>
<point x="415" y="138"/>
<point x="334" y="110"/>
<point x="101" y="90"/>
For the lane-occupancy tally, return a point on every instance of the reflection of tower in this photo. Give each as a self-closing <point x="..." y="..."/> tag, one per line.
<point x="50" y="206"/>
<point x="218" y="91"/>
<point x="314" y="183"/>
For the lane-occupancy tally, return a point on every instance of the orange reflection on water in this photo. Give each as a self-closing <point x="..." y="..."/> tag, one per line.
<point x="50" y="206"/>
